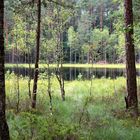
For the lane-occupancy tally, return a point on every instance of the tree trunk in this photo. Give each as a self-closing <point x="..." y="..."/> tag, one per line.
<point x="60" y="55"/>
<point x="6" y="32"/>
<point x="131" y="99"/>
<point x="101" y="17"/>
<point x="70" y="55"/>
<point x="75" y="61"/>
<point x="29" y="74"/>
<point x="49" y="85"/>
<point x="13" y="54"/>
<point x="17" y="76"/>
<point x="4" y="131"/>
<point x="36" y="72"/>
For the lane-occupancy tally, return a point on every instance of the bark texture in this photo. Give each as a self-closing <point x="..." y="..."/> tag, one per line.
<point x="131" y="99"/>
<point x="36" y="72"/>
<point x="4" y="131"/>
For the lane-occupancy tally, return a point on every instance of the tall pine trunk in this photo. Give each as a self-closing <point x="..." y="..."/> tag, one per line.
<point x="131" y="99"/>
<point x="36" y="72"/>
<point x="101" y="16"/>
<point x="4" y="131"/>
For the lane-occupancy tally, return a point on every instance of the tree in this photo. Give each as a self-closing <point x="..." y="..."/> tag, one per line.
<point x="72" y="41"/>
<point x="36" y="72"/>
<point x="4" y="131"/>
<point x="131" y="99"/>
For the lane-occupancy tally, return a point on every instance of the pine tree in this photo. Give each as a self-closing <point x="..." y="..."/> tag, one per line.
<point x="4" y="131"/>
<point x="131" y="99"/>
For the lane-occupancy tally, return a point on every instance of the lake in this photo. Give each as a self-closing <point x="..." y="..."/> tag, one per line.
<point x="74" y="73"/>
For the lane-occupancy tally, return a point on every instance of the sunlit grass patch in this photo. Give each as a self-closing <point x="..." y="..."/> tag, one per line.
<point x="99" y="115"/>
<point x="73" y="65"/>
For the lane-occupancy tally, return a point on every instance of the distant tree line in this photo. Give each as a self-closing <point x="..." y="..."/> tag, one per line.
<point x="92" y="29"/>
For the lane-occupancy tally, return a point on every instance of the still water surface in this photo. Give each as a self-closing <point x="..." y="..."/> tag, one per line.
<point x="74" y="73"/>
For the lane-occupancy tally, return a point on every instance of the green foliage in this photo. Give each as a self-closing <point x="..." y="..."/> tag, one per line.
<point x="32" y="126"/>
<point x="98" y="115"/>
<point x="72" y="37"/>
<point x="79" y="28"/>
<point x="101" y="113"/>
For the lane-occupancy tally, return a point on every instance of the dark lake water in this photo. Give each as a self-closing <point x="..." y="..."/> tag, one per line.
<point x="74" y="73"/>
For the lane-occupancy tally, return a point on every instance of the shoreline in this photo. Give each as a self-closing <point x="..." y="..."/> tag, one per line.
<point x="111" y="66"/>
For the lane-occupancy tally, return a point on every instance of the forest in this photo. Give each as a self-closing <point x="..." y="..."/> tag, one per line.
<point x="69" y="69"/>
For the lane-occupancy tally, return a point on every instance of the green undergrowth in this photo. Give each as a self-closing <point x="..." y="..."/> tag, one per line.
<point x="100" y="115"/>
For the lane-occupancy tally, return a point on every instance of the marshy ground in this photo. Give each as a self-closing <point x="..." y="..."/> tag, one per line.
<point x="96" y="115"/>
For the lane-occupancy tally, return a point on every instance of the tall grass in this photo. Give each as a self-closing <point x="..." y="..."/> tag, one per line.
<point x="99" y="116"/>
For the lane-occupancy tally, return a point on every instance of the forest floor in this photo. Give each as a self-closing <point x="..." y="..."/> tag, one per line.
<point x="99" y="115"/>
<point x="73" y="65"/>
